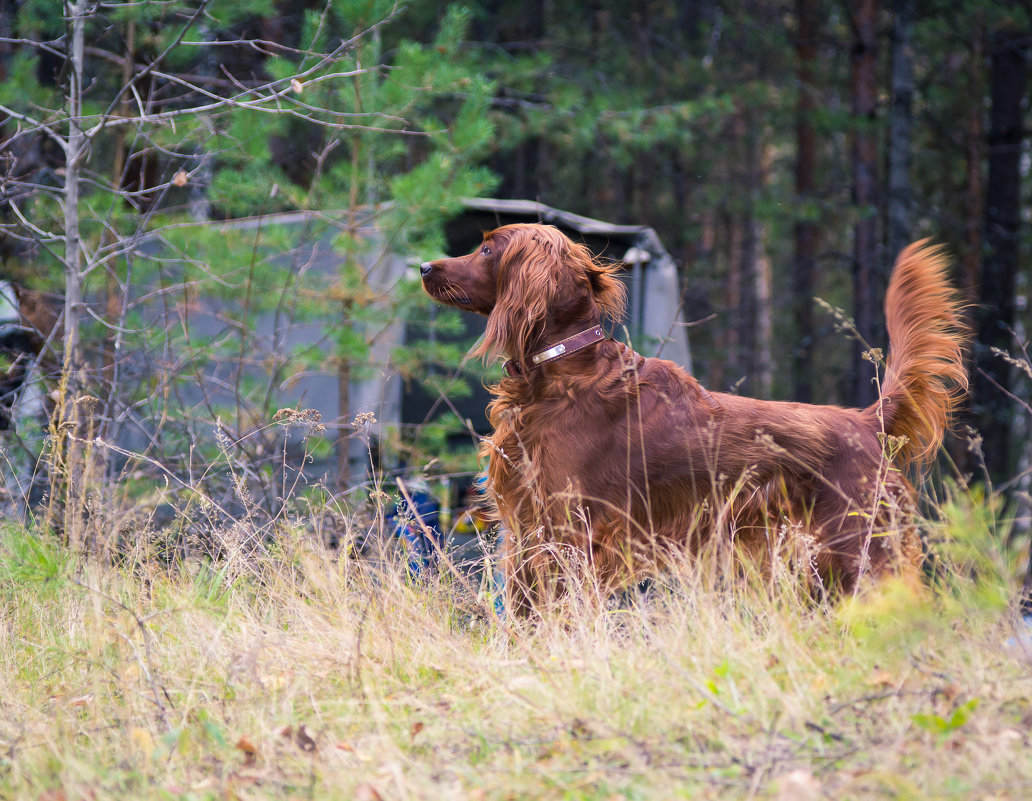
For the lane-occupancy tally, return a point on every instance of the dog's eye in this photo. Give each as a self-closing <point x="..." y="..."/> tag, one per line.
<point x="485" y="250"/>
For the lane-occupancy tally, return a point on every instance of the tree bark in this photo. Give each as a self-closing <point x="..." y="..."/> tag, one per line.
<point x="66" y="462"/>
<point x="967" y="460"/>
<point x="747" y="137"/>
<point x="732" y="367"/>
<point x="764" y="317"/>
<point x="974" y="151"/>
<point x="74" y="151"/>
<point x="760" y="321"/>
<point x="199" y="195"/>
<point x="898" y="203"/>
<point x="864" y="90"/>
<point x="999" y="267"/>
<point x="805" y="182"/>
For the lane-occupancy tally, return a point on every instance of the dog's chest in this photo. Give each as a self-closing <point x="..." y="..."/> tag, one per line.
<point x="561" y="446"/>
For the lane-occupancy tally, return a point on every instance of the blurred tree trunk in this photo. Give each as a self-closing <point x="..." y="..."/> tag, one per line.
<point x="732" y="367"/>
<point x="199" y="197"/>
<point x="805" y="182"/>
<point x="114" y="295"/>
<point x="746" y="136"/>
<point x="75" y="150"/>
<point x="764" y="316"/>
<point x="898" y="203"/>
<point x="864" y="92"/>
<point x="7" y="12"/>
<point x="974" y="149"/>
<point x="8" y="9"/>
<point x="1000" y="265"/>
<point x="760" y="321"/>
<point x="973" y="212"/>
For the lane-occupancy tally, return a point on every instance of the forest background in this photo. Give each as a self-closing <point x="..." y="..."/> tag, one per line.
<point x="784" y="152"/>
<point x="172" y="622"/>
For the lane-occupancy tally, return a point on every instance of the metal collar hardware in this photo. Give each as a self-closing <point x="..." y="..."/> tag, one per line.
<point x="565" y="347"/>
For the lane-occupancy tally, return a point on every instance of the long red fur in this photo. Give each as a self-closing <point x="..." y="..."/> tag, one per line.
<point x="623" y="459"/>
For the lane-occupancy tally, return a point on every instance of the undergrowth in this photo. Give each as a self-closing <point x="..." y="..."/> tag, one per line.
<point x="306" y="672"/>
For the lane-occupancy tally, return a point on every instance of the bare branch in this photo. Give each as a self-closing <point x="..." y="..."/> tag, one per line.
<point x="44" y="46"/>
<point x="36" y="125"/>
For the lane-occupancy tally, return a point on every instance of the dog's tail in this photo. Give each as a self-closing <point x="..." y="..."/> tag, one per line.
<point x="925" y="375"/>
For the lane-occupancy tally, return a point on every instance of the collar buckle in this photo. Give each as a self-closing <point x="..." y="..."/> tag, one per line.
<point x="565" y="347"/>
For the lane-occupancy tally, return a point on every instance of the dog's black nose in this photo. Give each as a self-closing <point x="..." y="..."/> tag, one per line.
<point x="425" y="269"/>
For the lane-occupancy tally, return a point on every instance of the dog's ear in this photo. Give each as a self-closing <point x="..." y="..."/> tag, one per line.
<point x="609" y="291"/>
<point x="528" y="281"/>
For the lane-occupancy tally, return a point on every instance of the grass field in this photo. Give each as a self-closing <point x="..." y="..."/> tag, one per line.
<point x="302" y="673"/>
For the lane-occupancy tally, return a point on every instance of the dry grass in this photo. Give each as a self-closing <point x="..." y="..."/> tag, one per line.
<point x="302" y="673"/>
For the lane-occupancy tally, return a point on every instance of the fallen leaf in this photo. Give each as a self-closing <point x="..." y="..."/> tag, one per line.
<point x="81" y="700"/>
<point x="417" y="727"/>
<point x="286" y="731"/>
<point x="53" y="795"/>
<point x="950" y="692"/>
<point x="304" y="740"/>
<point x="881" y="678"/>
<point x="249" y="749"/>
<point x="344" y="747"/>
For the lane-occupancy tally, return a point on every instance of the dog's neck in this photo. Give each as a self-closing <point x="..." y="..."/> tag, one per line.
<point x="558" y="349"/>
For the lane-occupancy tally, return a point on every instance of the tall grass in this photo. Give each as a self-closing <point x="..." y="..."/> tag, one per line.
<point x="297" y="671"/>
<point x="232" y="653"/>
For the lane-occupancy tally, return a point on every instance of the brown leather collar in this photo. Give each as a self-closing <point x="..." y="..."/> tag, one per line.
<point x="559" y="350"/>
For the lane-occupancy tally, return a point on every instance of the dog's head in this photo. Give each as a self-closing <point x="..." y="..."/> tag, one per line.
<point x="530" y="281"/>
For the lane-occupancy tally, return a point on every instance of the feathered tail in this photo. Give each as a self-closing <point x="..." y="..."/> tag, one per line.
<point x="925" y="375"/>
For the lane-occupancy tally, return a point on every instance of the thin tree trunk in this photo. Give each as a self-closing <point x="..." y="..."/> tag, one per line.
<point x="974" y="150"/>
<point x="805" y="182"/>
<point x="734" y="348"/>
<point x="764" y="318"/>
<point x="112" y="289"/>
<point x="864" y="89"/>
<point x="344" y="405"/>
<point x="74" y="150"/>
<point x="66" y="460"/>
<point x="967" y="460"/>
<point x="763" y="283"/>
<point x="347" y="315"/>
<point x="746" y="322"/>
<point x="200" y="196"/>
<point x="8" y="9"/>
<point x="898" y="203"/>
<point x="999" y="268"/>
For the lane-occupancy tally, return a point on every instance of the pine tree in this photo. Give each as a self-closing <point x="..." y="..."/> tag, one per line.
<point x="165" y="114"/>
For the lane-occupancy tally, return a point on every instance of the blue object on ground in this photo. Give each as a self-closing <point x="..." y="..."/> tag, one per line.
<point x="498" y="580"/>
<point x="422" y="549"/>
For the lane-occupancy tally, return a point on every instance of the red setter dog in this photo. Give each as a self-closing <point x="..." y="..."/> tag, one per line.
<point x="622" y="457"/>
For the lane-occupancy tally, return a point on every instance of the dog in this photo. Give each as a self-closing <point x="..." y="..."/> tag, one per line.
<point x="620" y="458"/>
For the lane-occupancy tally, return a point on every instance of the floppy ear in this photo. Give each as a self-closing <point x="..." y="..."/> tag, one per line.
<point x="609" y="291"/>
<point x="528" y="282"/>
